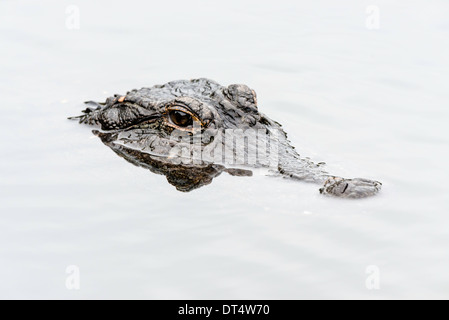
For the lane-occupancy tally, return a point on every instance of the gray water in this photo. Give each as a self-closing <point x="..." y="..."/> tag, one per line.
<point x="370" y="102"/>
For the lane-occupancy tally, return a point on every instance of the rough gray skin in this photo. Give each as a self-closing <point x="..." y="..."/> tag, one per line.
<point x="138" y="127"/>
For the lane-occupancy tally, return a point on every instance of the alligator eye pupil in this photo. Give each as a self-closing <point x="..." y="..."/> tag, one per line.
<point x="180" y="118"/>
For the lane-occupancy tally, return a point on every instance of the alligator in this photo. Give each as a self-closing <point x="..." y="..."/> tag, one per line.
<point x="193" y="130"/>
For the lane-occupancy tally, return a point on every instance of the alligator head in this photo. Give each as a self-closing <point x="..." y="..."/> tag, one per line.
<point x="192" y="130"/>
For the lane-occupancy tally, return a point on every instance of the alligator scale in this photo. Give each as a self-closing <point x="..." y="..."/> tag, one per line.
<point x="193" y="130"/>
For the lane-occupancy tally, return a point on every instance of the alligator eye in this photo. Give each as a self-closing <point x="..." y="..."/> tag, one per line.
<point x="180" y="118"/>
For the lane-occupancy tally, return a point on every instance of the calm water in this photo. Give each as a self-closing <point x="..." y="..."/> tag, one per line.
<point x="371" y="103"/>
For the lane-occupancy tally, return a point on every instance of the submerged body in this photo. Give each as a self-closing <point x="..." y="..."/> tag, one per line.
<point x="192" y="130"/>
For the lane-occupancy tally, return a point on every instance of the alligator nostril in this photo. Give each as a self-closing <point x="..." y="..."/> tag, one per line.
<point x="346" y="187"/>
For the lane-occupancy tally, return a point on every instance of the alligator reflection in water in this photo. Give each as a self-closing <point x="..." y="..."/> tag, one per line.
<point x="185" y="177"/>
